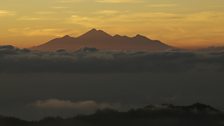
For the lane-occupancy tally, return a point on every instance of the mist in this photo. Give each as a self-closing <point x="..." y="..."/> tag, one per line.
<point x="34" y="85"/>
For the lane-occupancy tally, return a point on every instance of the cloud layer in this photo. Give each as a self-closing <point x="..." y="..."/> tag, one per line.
<point x="34" y="85"/>
<point x="67" y="104"/>
<point x="93" y="61"/>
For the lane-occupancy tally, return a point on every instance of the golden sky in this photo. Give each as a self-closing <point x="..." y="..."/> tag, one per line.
<point x="182" y="23"/>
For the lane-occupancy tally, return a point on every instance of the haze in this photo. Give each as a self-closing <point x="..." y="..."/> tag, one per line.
<point x="34" y="85"/>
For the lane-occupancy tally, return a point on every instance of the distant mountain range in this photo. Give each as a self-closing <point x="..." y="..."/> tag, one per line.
<point x="167" y="115"/>
<point x="103" y="41"/>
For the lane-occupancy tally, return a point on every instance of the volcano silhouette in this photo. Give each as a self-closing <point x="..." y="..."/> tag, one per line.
<point x="103" y="41"/>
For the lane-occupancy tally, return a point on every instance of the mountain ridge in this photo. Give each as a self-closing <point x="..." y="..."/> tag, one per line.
<point x="103" y="41"/>
<point x="193" y="115"/>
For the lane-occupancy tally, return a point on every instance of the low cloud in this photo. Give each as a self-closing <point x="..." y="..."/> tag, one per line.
<point x="67" y="104"/>
<point x="96" y="61"/>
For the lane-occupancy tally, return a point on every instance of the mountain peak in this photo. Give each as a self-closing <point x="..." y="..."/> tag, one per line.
<point x="93" y="30"/>
<point x="95" y="33"/>
<point x="139" y="36"/>
<point x="117" y="35"/>
<point x="66" y="36"/>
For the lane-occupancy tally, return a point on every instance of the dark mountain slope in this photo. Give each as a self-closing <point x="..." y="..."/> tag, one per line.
<point x="165" y="115"/>
<point x="103" y="41"/>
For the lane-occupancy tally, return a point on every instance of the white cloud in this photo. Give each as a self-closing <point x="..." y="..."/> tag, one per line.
<point x="41" y="17"/>
<point x="28" y="31"/>
<point x="108" y="12"/>
<point x="26" y="18"/>
<point x="162" y="5"/>
<point x="84" y="21"/>
<point x="4" y="13"/>
<point x="118" y="18"/>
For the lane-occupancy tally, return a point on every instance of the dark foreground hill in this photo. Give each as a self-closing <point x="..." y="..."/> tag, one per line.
<point x="103" y="41"/>
<point x="164" y="115"/>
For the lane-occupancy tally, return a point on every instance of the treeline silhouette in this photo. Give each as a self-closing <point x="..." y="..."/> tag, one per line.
<point x="165" y="115"/>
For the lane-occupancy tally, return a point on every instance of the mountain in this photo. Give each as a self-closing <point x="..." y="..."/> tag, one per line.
<point x="193" y="115"/>
<point x="103" y="41"/>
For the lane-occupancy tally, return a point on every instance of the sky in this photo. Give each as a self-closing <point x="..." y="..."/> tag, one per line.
<point x="180" y="23"/>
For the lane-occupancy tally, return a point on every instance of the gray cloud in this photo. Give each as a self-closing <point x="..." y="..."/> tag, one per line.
<point x="95" y="61"/>
<point x="29" y="79"/>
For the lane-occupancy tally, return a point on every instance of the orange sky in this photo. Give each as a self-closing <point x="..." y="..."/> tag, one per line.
<point x="185" y="23"/>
